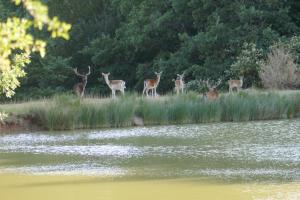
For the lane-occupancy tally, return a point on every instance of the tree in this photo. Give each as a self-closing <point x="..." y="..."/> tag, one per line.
<point x="18" y="43"/>
<point x="248" y="64"/>
<point x="133" y="38"/>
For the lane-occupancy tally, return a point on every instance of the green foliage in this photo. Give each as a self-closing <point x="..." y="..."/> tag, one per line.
<point x="17" y="43"/>
<point x="248" y="64"/>
<point x="133" y="38"/>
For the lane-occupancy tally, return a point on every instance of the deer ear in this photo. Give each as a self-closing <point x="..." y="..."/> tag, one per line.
<point x="102" y="74"/>
<point x="178" y="75"/>
<point x="108" y="73"/>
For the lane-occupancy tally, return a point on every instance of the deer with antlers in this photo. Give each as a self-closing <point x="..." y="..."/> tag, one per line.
<point x="238" y="84"/>
<point x="114" y="85"/>
<point x="212" y="93"/>
<point x="79" y="88"/>
<point x="151" y="84"/>
<point x="179" y="83"/>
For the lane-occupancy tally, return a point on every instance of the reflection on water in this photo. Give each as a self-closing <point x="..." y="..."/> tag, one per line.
<point x="253" y="151"/>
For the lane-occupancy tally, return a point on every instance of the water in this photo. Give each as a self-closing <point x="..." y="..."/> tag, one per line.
<point x="263" y="153"/>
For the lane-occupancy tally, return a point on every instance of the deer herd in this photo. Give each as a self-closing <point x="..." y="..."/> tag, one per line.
<point x="152" y="84"/>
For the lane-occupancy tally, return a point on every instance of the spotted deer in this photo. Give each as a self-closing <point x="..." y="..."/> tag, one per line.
<point x="152" y="84"/>
<point x="179" y="83"/>
<point x="212" y="93"/>
<point x="79" y="88"/>
<point x="114" y="85"/>
<point x="238" y="84"/>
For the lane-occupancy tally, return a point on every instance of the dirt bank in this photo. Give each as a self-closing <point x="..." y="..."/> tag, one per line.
<point x="15" y="123"/>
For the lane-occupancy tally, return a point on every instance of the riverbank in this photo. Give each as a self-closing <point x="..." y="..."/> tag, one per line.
<point x="67" y="112"/>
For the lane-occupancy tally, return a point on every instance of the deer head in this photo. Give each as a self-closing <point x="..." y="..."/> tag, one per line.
<point x="180" y="77"/>
<point x="79" y="88"/>
<point x="212" y="85"/>
<point x="83" y="76"/>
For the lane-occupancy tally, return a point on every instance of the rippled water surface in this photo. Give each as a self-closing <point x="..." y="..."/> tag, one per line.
<point x="234" y="152"/>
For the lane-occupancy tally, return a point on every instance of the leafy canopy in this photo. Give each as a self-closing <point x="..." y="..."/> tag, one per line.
<point x="17" y="42"/>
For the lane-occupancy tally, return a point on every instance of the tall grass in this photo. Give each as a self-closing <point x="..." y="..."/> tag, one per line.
<point x="69" y="112"/>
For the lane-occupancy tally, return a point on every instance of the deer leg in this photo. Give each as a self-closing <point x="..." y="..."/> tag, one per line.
<point x="144" y="90"/>
<point x="113" y="93"/>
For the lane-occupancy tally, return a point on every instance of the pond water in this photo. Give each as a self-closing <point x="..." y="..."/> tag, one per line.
<point x="252" y="160"/>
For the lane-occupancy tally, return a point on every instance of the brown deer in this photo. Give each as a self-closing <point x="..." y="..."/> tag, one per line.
<point x="114" y="85"/>
<point x="238" y="84"/>
<point x="151" y="84"/>
<point x="79" y="88"/>
<point x="212" y="93"/>
<point x="179" y="83"/>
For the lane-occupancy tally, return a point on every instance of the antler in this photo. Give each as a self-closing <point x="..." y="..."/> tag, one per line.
<point x="89" y="71"/>
<point x="206" y="82"/>
<point x="217" y="83"/>
<point x="76" y="72"/>
<point x="211" y="84"/>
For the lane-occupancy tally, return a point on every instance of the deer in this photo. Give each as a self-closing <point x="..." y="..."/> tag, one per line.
<point x="212" y="93"/>
<point x="179" y="83"/>
<point x="79" y="88"/>
<point x="114" y="85"/>
<point x="235" y="84"/>
<point x="151" y="84"/>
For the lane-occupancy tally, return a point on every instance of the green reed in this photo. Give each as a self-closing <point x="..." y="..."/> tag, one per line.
<point x="69" y="112"/>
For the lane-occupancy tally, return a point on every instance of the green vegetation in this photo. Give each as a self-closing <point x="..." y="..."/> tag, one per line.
<point x="133" y="38"/>
<point x="68" y="112"/>
<point x="17" y="41"/>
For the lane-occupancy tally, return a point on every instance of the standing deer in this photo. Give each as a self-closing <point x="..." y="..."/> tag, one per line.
<point x="114" y="85"/>
<point x="79" y="88"/>
<point x="235" y="84"/>
<point x="151" y="84"/>
<point x="212" y="93"/>
<point x="179" y="83"/>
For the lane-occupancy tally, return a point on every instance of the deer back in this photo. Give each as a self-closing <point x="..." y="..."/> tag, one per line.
<point x="117" y="84"/>
<point x="151" y="82"/>
<point x="235" y="83"/>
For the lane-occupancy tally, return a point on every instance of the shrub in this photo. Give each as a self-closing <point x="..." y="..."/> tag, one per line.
<point x="280" y="70"/>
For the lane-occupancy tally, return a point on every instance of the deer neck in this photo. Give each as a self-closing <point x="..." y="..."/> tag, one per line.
<point x="84" y="82"/>
<point x="181" y="82"/>
<point x="107" y="81"/>
<point x="157" y="80"/>
<point x="241" y="82"/>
